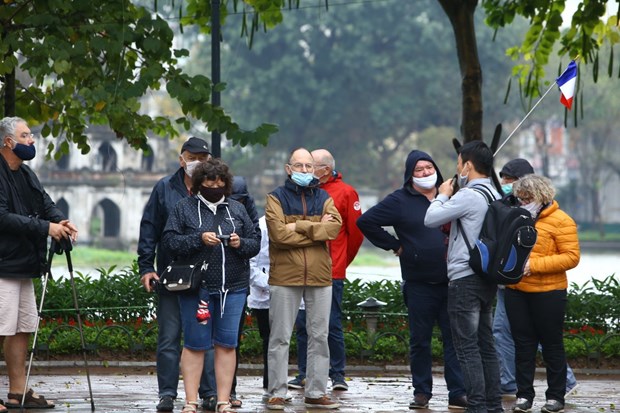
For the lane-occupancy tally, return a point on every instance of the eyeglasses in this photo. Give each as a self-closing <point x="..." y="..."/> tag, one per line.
<point x="524" y="200"/>
<point x="25" y="135"/>
<point x="308" y="166"/>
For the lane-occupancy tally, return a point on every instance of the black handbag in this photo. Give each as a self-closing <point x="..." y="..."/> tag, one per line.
<point x="183" y="276"/>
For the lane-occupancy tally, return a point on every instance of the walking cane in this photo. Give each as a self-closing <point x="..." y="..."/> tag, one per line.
<point x="67" y="247"/>
<point x="46" y="276"/>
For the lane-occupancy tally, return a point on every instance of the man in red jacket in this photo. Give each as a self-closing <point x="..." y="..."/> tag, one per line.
<point x="343" y="249"/>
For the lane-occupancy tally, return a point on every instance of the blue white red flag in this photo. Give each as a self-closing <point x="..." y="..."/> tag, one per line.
<point x="566" y="82"/>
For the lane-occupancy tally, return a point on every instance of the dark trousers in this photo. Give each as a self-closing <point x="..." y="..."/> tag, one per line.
<point x="538" y="318"/>
<point x="427" y="305"/>
<point x="262" y="320"/>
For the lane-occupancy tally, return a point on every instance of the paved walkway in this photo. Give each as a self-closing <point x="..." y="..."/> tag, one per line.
<point x="128" y="390"/>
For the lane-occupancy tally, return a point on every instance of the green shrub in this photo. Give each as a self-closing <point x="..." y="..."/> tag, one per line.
<point x="119" y="316"/>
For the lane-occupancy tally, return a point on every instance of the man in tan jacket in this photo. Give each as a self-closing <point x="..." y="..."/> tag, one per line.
<point x="301" y="218"/>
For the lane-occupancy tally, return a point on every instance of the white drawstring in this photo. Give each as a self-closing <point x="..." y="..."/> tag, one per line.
<point x="219" y="229"/>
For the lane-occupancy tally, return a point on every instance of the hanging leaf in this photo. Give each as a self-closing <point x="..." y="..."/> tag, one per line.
<point x="610" y="68"/>
<point x="595" y="68"/>
<point x="581" y="106"/>
<point x="576" y="105"/>
<point x="508" y="91"/>
<point x="244" y="24"/>
<point x="181" y="19"/>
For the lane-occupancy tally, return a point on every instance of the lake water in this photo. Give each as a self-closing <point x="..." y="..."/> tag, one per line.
<point x="591" y="265"/>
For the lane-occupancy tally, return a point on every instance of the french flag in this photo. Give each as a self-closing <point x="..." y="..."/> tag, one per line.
<point x="566" y="82"/>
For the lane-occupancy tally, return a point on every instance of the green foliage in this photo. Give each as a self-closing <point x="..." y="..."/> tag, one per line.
<point x="365" y="81"/>
<point x="589" y="30"/>
<point x="115" y="295"/>
<point x="118" y="316"/>
<point x="79" y="62"/>
<point x="596" y="303"/>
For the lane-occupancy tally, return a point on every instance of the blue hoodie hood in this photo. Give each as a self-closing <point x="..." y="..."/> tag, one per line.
<point x="412" y="159"/>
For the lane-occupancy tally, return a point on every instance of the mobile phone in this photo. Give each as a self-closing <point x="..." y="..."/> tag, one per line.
<point x="224" y="238"/>
<point x="455" y="184"/>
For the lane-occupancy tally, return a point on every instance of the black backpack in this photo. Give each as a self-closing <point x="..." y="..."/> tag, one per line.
<point x="505" y="241"/>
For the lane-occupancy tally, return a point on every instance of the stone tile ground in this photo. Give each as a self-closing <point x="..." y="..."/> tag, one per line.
<point x="131" y="391"/>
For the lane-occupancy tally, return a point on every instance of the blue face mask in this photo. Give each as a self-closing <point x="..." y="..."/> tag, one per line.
<point x="302" y="178"/>
<point x="507" y="189"/>
<point x="24" y="152"/>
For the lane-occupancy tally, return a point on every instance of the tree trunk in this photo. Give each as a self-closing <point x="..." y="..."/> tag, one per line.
<point x="461" y="15"/>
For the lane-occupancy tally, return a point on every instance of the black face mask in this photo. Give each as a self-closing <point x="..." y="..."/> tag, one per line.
<point x="212" y="194"/>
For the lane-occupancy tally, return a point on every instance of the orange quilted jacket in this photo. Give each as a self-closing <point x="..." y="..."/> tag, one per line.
<point x="555" y="252"/>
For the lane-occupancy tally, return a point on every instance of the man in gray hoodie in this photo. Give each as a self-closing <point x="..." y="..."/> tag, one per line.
<point x="470" y="298"/>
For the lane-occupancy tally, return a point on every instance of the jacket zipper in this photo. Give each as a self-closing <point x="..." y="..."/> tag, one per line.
<point x="305" y="209"/>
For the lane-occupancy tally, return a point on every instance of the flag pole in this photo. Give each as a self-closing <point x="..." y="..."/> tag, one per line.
<point x="576" y="59"/>
<point x="523" y="120"/>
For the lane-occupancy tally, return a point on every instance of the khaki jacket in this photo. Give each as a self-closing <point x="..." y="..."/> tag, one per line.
<point x="300" y="257"/>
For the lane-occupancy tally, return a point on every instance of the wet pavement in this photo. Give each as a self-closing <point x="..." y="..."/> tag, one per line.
<point x="133" y="389"/>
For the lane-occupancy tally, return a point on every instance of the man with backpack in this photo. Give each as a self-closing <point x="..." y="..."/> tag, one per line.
<point x="470" y="297"/>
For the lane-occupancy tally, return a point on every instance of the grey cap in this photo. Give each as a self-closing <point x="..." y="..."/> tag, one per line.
<point x="517" y="168"/>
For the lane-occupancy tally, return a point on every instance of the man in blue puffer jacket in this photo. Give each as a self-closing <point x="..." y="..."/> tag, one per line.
<point x="422" y="254"/>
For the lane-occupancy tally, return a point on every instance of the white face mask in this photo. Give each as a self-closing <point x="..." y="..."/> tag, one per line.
<point x="426" y="182"/>
<point x="532" y="208"/>
<point x="190" y="167"/>
<point x="463" y="178"/>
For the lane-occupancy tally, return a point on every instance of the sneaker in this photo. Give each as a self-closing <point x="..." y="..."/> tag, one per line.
<point x="209" y="404"/>
<point x="553" y="406"/>
<point x="340" y="385"/>
<point x="323" y="402"/>
<point x="458" y="403"/>
<point x="166" y="404"/>
<point x="297" y="383"/>
<point x="522" y="405"/>
<point x="275" y="403"/>
<point x="571" y="391"/>
<point x="420" y="401"/>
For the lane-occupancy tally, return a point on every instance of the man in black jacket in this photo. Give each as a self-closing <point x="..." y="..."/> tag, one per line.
<point x="422" y="253"/>
<point x="166" y="193"/>
<point x="27" y="217"/>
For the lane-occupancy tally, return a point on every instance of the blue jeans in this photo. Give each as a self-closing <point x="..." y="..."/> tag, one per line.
<point x="337" y="354"/>
<point x="223" y="326"/>
<point x="169" y="350"/>
<point x="505" y="347"/>
<point x="427" y="304"/>
<point x="470" y="306"/>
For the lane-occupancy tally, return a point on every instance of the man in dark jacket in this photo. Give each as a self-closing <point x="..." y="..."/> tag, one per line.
<point x="422" y="254"/>
<point x="166" y="193"/>
<point x="27" y="217"/>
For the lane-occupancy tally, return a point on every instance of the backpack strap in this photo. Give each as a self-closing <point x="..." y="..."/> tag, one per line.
<point x="459" y="226"/>
<point x="484" y="191"/>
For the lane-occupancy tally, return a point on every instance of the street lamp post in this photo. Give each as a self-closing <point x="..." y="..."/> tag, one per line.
<point x="215" y="71"/>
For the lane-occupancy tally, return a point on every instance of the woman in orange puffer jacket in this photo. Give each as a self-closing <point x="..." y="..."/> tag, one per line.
<point x="536" y="306"/>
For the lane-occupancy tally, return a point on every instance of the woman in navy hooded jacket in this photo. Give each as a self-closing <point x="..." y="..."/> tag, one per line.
<point x="422" y="254"/>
